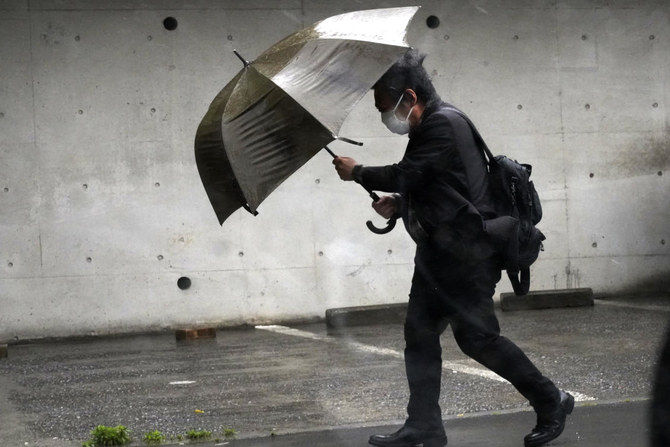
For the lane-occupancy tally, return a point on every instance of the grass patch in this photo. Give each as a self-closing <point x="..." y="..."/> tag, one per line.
<point x="229" y="433"/>
<point x="153" y="438"/>
<point x="198" y="435"/>
<point x="103" y="436"/>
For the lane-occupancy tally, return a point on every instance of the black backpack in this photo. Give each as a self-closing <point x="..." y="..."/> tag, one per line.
<point x="518" y="210"/>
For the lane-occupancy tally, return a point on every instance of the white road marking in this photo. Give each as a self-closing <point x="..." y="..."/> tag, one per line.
<point x="633" y="306"/>
<point x="183" y="382"/>
<point x="579" y="397"/>
<point x="291" y="331"/>
<point x="453" y="367"/>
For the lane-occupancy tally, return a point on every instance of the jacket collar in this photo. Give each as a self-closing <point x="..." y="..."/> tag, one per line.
<point x="429" y="110"/>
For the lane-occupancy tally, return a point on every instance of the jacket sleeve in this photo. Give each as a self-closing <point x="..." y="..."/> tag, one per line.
<point x="429" y="151"/>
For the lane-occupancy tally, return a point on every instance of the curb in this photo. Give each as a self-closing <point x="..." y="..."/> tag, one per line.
<point x="366" y="315"/>
<point x="395" y="313"/>
<point x="547" y="299"/>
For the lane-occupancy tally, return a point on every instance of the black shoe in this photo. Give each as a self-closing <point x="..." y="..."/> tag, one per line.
<point x="550" y="427"/>
<point x="410" y="437"/>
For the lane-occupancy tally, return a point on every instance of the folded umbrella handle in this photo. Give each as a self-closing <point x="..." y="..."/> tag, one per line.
<point x="390" y="225"/>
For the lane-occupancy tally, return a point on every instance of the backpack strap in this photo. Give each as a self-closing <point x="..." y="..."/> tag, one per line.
<point x="520" y="281"/>
<point x="475" y="132"/>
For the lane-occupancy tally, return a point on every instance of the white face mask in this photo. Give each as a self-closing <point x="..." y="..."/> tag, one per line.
<point x="395" y="124"/>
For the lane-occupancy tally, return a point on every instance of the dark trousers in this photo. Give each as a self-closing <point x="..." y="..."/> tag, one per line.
<point x="457" y="289"/>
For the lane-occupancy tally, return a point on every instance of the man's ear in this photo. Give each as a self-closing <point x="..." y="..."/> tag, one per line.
<point x="410" y="95"/>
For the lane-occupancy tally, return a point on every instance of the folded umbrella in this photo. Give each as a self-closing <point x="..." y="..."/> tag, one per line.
<point x="289" y="103"/>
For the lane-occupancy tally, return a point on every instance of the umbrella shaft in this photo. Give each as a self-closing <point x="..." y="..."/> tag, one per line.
<point x="373" y="195"/>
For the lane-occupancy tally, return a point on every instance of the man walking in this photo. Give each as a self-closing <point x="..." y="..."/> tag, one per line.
<point x="441" y="191"/>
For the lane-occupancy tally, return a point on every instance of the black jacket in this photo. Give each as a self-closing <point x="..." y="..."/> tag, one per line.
<point x="442" y="176"/>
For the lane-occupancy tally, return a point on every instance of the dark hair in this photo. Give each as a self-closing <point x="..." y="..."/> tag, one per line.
<point x="408" y="72"/>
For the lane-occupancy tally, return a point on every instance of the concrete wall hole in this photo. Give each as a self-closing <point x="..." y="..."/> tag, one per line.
<point x="170" y="23"/>
<point x="184" y="282"/>
<point x="432" y="22"/>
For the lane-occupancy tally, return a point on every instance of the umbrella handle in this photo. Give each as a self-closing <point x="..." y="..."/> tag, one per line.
<point x="390" y="225"/>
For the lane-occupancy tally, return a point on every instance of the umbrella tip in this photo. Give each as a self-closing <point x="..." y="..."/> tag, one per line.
<point x="244" y="61"/>
<point x="248" y="208"/>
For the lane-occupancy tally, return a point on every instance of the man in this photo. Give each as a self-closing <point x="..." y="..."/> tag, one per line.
<point x="660" y="404"/>
<point x="441" y="192"/>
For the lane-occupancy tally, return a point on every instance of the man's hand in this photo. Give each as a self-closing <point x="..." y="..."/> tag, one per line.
<point x="385" y="206"/>
<point x="344" y="166"/>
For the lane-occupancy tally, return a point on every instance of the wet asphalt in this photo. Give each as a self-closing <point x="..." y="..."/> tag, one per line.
<point x="308" y="385"/>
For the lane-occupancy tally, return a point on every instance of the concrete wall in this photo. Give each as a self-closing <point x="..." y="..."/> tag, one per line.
<point x="102" y="209"/>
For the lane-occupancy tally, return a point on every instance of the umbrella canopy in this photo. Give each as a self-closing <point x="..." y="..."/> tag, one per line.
<point x="290" y="102"/>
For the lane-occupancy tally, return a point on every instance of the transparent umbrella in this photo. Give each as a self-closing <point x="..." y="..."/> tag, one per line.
<point x="290" y="102"/>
